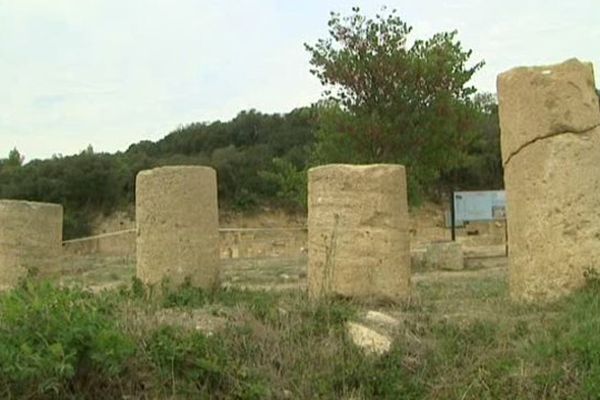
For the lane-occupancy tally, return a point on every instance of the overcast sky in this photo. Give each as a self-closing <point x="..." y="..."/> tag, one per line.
<point x="113" y="72"/>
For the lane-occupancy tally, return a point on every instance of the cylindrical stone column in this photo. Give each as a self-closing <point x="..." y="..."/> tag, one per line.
<point x="550" y="124"/>
<point x="358" y="237"/>
<point x="30" y="238"/>
<point x="177" y="226"/>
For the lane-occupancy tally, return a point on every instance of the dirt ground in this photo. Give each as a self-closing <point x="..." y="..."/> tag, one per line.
<point x="479" y="292"/>
<point x="98" y="273"/>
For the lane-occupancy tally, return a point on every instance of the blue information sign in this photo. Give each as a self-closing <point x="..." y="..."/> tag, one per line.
<point x="479" y="206"/>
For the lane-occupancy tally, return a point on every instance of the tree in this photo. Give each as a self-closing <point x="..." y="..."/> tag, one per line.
<point x="15" y="159"/>
<point x="391" y="102"/>
<point x="291" y="183"/>
<point x="484" y="170"/>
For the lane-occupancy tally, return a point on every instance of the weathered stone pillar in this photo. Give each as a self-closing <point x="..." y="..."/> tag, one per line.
<point x="550" y="123"/>
<point x="177" y="226"/>
<point x="30" y="238"/>
<point x="358" y="237"/>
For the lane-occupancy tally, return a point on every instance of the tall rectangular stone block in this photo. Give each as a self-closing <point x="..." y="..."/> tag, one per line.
<point x="177" y="226"/>
<point x="358" y="236"/>
<point x="550" y="122"/>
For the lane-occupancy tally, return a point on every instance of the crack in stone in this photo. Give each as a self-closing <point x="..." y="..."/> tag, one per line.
<point x="517" y="151"/>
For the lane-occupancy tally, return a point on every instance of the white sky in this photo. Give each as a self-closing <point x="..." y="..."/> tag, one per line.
<point x="113" y="72"/>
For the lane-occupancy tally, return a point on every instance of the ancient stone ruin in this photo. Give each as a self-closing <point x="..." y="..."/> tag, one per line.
<point x="358" y="236"/>
<point x="550" y="123"/>
<point x="30" y="238"/>
<point x="177" y="226"/>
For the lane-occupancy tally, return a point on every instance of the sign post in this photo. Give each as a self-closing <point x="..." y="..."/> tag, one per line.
<point x="453" y="217"/>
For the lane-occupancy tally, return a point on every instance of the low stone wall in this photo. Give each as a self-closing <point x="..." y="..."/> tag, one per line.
<point x="262" y="242"/>
<point x="265" y="243"/>
<point x="120" y="243"/>
<point x="234" y="243"/>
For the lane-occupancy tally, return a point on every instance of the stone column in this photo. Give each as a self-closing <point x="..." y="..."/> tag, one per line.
<point x="30" y="238"/>
<point x="177" y="226"/>
<point x="550" y="124"/>
<point x="358" y="237"/>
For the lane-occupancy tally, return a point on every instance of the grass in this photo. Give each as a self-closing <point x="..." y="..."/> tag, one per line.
<point x="459" y="338"/>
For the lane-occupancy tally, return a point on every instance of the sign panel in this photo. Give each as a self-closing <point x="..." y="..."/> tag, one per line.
<point x="479" y="206"/>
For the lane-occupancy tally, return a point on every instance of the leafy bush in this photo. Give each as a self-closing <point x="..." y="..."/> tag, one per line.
<point x="69" y="343"/>
<point x="57" y="341"/>
<point x="291" y="183"/>
<point x="76" y="224"/>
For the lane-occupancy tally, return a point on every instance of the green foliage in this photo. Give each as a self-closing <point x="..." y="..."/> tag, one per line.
<point x="261" y="305"/>
<point x="573" y="340"/>
<point x="15" y="159"/>
<point x="76" y="224"/>
<point x="185" y="295"/>
<point x="85" y="184"/>
<point x="200" y="364"/>
<point x="388" y="379"/>
<point x="392" y="102"/>
<point x="241" y="151"/>
<point x="68" y="343"/>
<point x="291" y="183"/>
<point x="54" y="342"/>
<point x="484" y="169"/>
<point x="325" y="316"/>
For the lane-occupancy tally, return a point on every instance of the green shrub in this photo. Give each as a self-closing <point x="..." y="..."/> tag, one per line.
<point x="192" y="363"/>
<point x="184" y="295"/>
<point x="261" y="304"/>
<point x="76" y="224"/>
<point x="56" y="341"/>
<point x="69" y="343"/>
